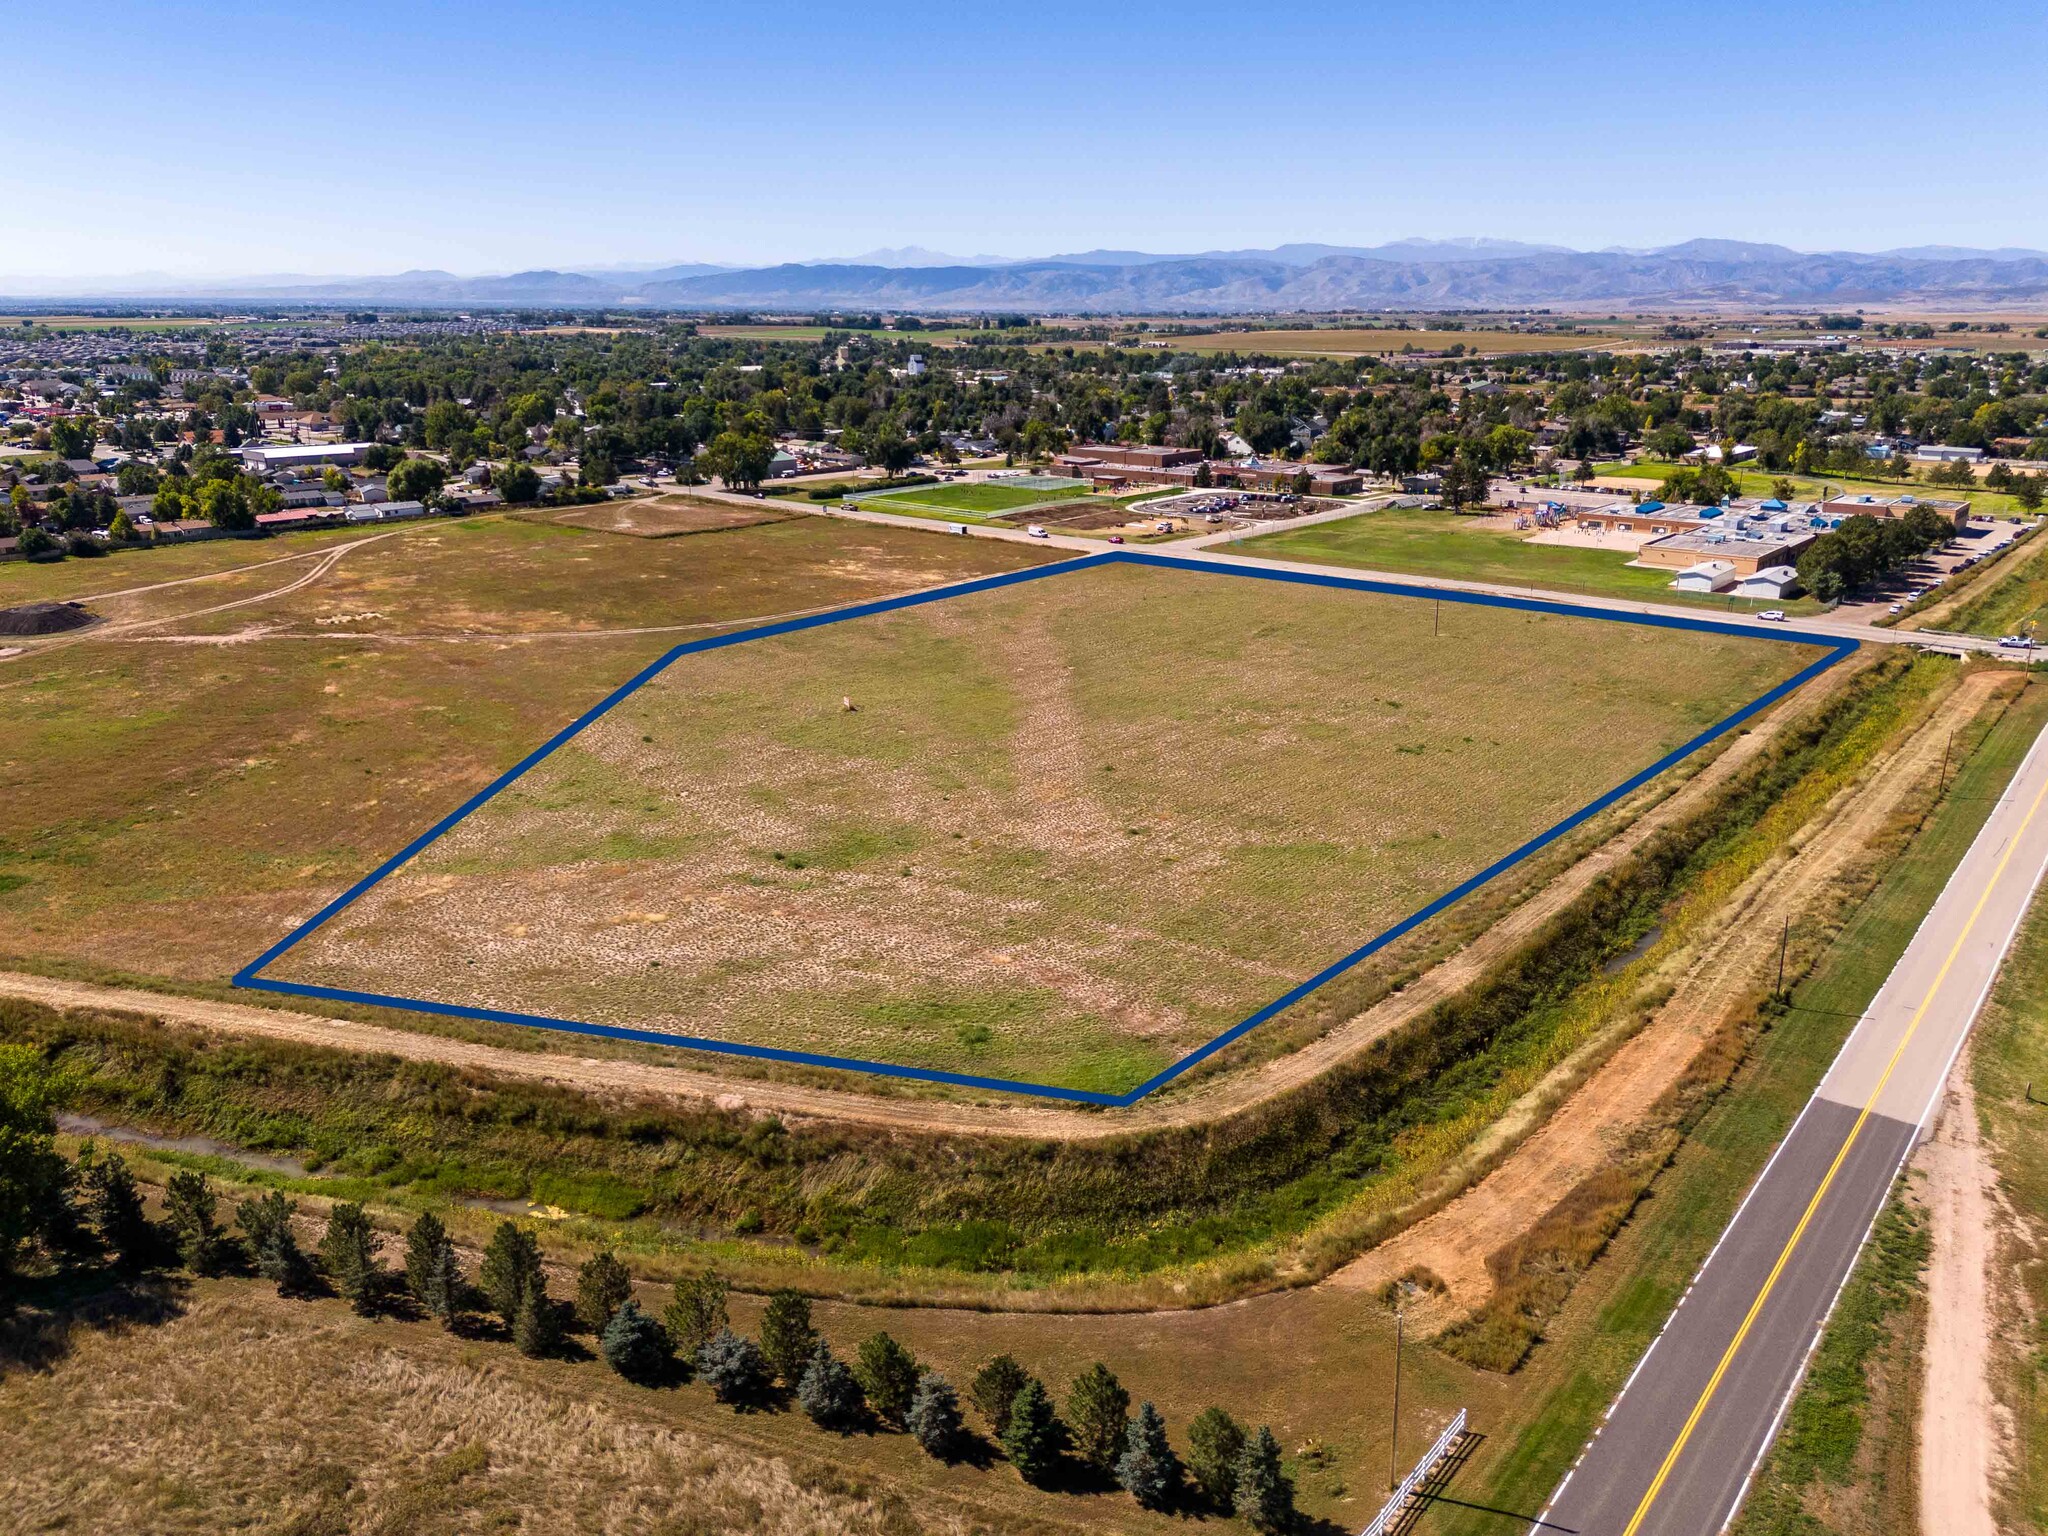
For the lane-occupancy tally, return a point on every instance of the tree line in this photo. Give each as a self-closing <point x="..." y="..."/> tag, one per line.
<point x="55" y="1212"/>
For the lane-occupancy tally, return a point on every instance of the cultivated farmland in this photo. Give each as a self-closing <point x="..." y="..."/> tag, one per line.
<point x="1062" y="832"/>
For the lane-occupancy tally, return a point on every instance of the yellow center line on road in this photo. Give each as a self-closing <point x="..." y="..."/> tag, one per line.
<point x="1784" y="1257"/>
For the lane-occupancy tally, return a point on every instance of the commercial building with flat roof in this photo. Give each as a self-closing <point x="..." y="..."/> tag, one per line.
<point x="1745" y="551"/>
<point x="299" y="455"/>
<point x="1863" y="504"/>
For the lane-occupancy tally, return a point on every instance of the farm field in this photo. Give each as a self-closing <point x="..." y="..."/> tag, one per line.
<point x="1411" y="540"/>
<point x="170" y="794"/>
<point x="1066" y="832"/>
<point x="1337" y="341"/>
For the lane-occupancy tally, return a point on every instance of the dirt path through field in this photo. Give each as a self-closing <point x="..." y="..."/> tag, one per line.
<point x="1961" y="1432"/>
<point x="124" y="629"/>
<point x="619" y="1078"/>
<point x="1584" y="1132"/>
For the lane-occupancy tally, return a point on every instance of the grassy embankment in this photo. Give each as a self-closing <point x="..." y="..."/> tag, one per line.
<point x="1272" y="1195"/>
<point x="1597" y="1338"/>
<point x="1426" y="543"/>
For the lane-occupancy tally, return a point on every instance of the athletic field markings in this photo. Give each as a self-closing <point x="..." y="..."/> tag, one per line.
<point x="251" y="977"/>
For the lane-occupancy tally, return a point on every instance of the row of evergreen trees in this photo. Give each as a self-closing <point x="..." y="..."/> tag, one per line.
<point x="1225" y="1469"/>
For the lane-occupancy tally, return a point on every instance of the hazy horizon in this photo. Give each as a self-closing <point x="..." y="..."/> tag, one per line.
<point x="224" y="143"/>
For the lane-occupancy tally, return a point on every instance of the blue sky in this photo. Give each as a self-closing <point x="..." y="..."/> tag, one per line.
<point x="372" y="137"/>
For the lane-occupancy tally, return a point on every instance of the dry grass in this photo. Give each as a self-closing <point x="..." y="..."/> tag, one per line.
<point x="168" y="800"/>
<point x="247" y="1413"/>
<point x="1068" y="832"/>
<point x="664" y="517"/>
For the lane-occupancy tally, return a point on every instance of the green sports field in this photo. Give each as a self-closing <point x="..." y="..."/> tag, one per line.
<point x="1413" y="541"/>
<point x="1062" y="832"/>
<point x="983" y="497"/>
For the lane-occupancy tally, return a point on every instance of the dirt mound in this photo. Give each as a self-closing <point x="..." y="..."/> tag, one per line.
<point x="44" y="618"/>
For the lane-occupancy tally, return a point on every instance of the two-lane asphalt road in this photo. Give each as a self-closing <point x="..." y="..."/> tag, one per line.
<point x="1677" y="1448"/>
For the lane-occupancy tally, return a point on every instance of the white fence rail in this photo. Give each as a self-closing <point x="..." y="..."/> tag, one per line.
<point x="1384" y="1520"/>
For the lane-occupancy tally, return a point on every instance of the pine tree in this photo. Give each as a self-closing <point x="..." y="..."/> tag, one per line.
<point x="602" y="1285"/>
<point x="887" y="1373"/>
<point x="189" y="1203"/>
<point x="537" y="1325"/>
<point x="634" y="1344"/>
<point x="1148" y="1469"/>
<point x="446" y="1291"/>
<point x="510" y="1268"/>
<point x="431" y="1271"/>
<point x="115" y="1206"/>
<point x="1264" y="1493"/>
<point x="934" y="1416"/>
<point x="995" y="1388"/>
<point x="266" y="1223"/>
<point x="423" y="1254"/>
<point x="1215" y="1442"/>
<point x="734" y="1367"/>
<point x="1032" y="1437"/>
<point x="1099" y="1411"/>
<point x="697" y="1311"/>
<point x="828" y="1392"/>
<point x="348" y="1251"/>
<point x="787" y="1337"/>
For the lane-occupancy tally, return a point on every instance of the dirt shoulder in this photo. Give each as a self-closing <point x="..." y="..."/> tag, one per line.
<point x="1962" y="1441"/>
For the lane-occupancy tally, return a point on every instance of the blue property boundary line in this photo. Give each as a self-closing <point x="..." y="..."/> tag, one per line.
<point x="249" y="977"/>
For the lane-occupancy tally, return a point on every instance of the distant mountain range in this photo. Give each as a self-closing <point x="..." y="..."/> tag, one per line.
<point x="1404" y="274"/>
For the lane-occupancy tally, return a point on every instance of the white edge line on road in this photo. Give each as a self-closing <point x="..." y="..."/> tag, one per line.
<point x="2040" y="741"/>
<point x="1913" y="1141"/>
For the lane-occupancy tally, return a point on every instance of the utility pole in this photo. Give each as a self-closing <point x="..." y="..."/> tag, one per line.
<point x="1944" y="758"/>
<point x="1436" y="623"/>
<point x="1394" y="1435"/>
<point x="1784" y="943"/>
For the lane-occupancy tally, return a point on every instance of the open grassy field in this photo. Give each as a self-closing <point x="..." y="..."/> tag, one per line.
<point x="664" y="517"/>
<point x="1067" y="832"/>
<point x="1406" y="539"/>
<point x="170" y="794"/>
<point x="113" y="322"/>
<point x="978" y="496"/>
<point x="1758" y="482"/>
<point x="1336" y="341"/>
